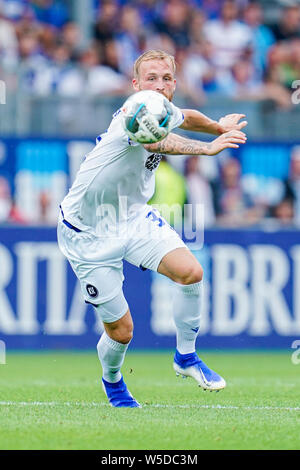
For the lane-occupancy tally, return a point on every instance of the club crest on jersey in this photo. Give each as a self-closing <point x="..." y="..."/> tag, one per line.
<point x="91" y="290"/>
<point x="153" y="161"/>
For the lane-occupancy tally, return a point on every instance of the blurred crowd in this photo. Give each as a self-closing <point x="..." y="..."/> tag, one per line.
<point x="200" y="190"/>
<point x="227" y="48"/>
<point x="221" y="47"/>
<point x="215" y="193"/>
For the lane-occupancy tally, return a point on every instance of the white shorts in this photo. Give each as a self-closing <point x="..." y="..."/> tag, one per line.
<point x="98" y="261"/>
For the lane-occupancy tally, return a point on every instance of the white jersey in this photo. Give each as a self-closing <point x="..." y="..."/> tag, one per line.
<point x="115" y="180"/>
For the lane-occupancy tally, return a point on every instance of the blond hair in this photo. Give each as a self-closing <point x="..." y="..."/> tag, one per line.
<point x="150" y="55"/>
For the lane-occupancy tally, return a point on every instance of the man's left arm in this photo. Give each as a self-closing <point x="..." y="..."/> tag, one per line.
<point x="198" y="122"/>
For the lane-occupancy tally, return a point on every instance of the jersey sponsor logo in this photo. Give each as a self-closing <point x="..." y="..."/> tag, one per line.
<point x="91" y="290"/>
<point x="153" y="161"/>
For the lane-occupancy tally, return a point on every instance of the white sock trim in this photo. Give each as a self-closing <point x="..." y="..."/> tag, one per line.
<point x="115" y="345"/>
<point x="190" y="289"/>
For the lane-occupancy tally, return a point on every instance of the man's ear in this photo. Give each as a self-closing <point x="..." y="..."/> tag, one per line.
<point x="135" y="84"/>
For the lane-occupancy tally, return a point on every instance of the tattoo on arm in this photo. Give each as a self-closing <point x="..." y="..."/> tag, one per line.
<point x="177" y="145"/>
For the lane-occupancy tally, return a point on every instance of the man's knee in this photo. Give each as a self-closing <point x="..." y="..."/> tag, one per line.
<point x="191" y="274"/>
<point x="120" y="330"/>
<point x="122" y="335"/>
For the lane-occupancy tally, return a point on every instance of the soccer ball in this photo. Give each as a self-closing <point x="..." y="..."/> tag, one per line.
<point x="146" y="116"/>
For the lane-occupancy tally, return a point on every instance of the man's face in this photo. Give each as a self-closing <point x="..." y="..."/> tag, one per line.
<point x="229" y="11"/>
<point x="156" y="75"/>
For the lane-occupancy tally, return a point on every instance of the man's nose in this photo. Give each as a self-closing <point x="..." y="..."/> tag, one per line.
<point x="160" y="85"/>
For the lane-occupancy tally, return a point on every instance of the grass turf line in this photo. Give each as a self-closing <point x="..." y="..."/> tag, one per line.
<point x="54" y="401"/>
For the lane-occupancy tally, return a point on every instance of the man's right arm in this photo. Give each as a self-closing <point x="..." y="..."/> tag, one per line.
<point x="174" y="144"/>
<point x="199" y="122"/>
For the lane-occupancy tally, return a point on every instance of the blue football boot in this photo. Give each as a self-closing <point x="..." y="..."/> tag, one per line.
<point x="189" y="365"/>
<point x="118" y="394"/>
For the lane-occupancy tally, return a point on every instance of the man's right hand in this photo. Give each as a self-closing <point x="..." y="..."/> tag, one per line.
<point x="230" y="139"/>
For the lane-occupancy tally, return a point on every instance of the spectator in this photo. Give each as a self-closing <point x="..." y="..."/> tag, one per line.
<point x="29" y="46"/>
<point x="8" y="211"/>
<point x="263" y="37"/>
<point x="187" y="84"/>
<point x="107" y="24"/>
<point x="294" y="60"/>
<point x="196" y="26"/>
<point x="28" y="24"/>
<point x="284" y="65"/>
<point x="71" y="36"/>
<point x="230" y="38"/>
<point x="8" y="42"/>
<point x="283" y="212"/>
<point x="200" y="196"/>
<point x="242" y="83"/>
<point x="263" y="191"/>
<point x="64" y="79"/>
<point x="14" y="10"/>
<point x="279" y="67"/>
<point x="111" y="56"/>
<point x="211" y="8"/>
<point x="56" y="76"/>
<point x="162" y="42"/>
<point x="47" y="36"/>
<point x="289" y="24"/>
<point x="199" y="71"/>
<point x="101" y="79"/>
<point x="293" y="183"/>
<point x="51" y="12"/>
<point x="130" y="39"/>
<point x="148" y="11"/>
<point x="175" y="22"/>
<point x="34" y="71"/>
<point x="234" y="207"/>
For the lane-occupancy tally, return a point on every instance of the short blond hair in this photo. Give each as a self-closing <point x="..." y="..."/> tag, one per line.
<point x="150" y="55"/>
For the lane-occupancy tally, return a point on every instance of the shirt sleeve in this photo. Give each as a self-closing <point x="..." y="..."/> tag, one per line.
<point x="177" y="117"/>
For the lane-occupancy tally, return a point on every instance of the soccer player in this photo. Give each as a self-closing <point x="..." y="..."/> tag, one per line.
<point x="117" y="177"/>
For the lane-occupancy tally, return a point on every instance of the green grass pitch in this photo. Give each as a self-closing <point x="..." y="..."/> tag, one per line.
<point x="53" y="400"/>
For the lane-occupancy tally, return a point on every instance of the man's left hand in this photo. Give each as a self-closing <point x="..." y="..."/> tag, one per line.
<point x="230" y="122"/>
